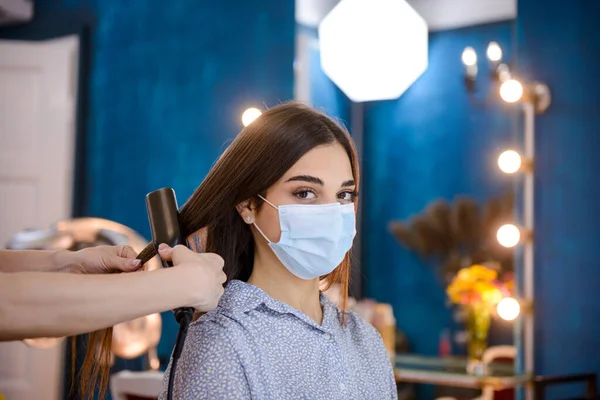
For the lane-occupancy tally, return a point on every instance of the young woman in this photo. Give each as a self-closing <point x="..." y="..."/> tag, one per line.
<point x="279" y="207"/>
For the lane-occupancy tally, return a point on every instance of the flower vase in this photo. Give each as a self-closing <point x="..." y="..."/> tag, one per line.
<point x="478" y="325"/>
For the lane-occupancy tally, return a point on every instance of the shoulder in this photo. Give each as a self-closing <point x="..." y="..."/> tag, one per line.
<point x="369" y="343"/>
<point x="224" y="327"/>
<point x="366" y="337"/>
<point x="361" y="329"/>
<point x="350" y="322"/>
<point x="231" y="321"/>
<point x="213" y="332"/>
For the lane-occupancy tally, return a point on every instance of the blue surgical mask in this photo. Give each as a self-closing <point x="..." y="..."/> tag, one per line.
<point x="314" y="238"/>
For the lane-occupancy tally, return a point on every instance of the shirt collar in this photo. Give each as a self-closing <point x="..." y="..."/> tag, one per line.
<point x="242" y="297"/>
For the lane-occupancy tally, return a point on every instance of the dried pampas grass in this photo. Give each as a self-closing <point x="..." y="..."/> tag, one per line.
<point x="458" y="233"/>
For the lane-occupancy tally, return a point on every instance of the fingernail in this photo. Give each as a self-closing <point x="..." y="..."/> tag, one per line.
<point x="135" y="263"/>
<point x="162" y="246"/>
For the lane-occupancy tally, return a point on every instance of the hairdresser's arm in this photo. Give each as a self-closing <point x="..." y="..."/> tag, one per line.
<point x="52" y="305"/>
<point x="94" y="260"/>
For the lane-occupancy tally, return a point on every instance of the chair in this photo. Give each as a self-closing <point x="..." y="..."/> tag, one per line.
<point x="494" y="354"/>
<point x="498" y="354"/>
<point x="129" y="385"/>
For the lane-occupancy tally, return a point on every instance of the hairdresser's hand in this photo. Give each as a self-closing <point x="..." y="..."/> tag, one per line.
<point x="204" y="275"/>
<point x="98" y="260"/>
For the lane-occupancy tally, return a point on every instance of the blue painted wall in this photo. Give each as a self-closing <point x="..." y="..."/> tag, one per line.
<point x="169" y="83"/>
<point x="566" y="185"/>
<point x="431" y="143"/>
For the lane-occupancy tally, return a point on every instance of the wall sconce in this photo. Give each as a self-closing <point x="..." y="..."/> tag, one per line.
<point x="508" y="235"/>
<point x="509" y="162"/>
<point x="494" y="52"/>
<point x="499" y="72"/>
<point x="510" y="308"/>
<point x="469" y="59"/>
<point x="511" y="91"/>
<point x="250" y="115"/>
<point x="536" y="94"/>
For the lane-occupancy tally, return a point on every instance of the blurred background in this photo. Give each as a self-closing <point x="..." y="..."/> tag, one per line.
<point x="466" y="256"/>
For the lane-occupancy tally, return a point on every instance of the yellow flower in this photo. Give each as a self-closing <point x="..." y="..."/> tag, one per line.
<point x="464" y="274"/>
<point x="492" y="296"/>
<point x="483" y="286"/>
<point x="483" y="273"/>
<point x="474" y="284"/>
<point x="455" y="291"/>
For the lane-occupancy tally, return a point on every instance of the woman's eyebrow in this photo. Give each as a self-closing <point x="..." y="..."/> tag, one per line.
<point x="318" y="181"/>
<point x="306" y="178"/>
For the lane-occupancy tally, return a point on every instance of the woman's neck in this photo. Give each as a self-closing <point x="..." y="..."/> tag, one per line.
<point x="275" y="280"/>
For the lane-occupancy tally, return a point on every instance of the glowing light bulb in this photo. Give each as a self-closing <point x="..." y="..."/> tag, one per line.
<point x="250" y="115"/>
<point x="508" y="309"/>
<point x="469" y="57"/>
<point x="511" y="91"/>
<point x="494" y="52"/>
<point x="508" y="235"/>
<point x="509" y="161"/>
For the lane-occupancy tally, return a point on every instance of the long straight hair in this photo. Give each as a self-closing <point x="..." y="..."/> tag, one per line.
<point x="258" y="157"/>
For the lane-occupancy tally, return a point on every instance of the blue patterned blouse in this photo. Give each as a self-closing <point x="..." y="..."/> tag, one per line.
<point x="254" y="347"/>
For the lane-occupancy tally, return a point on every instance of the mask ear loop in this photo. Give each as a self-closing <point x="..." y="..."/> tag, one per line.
<point x="268" y="202"/>
<point x="261" y="232"/>
<point x="256" y="226"/>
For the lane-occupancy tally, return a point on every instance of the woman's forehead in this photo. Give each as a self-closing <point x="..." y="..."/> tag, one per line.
<point x="329" y="163"/>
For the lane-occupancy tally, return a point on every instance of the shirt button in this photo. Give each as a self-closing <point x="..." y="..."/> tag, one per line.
<point x="342" y="387"/>
<point x="326" y="336"/>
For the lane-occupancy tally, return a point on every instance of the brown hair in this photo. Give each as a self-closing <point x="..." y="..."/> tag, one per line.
<point x="258" y="157"/>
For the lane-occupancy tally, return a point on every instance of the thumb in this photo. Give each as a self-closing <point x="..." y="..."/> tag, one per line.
<point x="176" y="255"/>
<point x="165" y="252"/>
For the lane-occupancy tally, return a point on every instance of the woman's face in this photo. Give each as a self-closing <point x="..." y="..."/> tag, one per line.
<point x="321" y="176"/>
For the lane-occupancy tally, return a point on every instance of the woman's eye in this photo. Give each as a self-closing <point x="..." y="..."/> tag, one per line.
<point x="305" y="194"/>
<point x="346" y="196"/>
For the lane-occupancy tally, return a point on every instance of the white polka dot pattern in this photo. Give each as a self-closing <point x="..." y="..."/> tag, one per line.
<point x="254" y="347"/>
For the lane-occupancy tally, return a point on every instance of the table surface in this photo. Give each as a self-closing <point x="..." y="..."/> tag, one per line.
<point x="452" y="371"/>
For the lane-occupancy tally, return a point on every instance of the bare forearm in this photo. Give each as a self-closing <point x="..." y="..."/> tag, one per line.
<point x="30" y="260"/>
<point x="51" y="305"/>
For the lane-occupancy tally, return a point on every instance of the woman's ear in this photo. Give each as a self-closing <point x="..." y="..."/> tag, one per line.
<point x="246" y="210"/>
